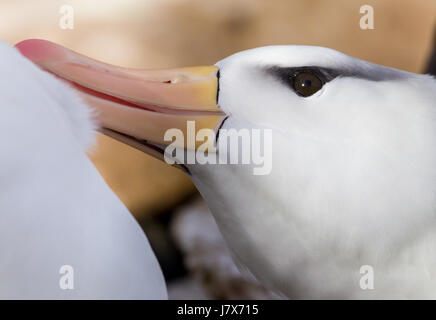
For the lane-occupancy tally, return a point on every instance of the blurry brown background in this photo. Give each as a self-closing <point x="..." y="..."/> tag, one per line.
<point x="168" y="33"/>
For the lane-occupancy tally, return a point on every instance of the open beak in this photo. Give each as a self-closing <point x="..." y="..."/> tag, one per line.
<point x="136" y="106"/>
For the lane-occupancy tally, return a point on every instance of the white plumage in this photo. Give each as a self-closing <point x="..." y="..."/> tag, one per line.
<point x="353" y="179"/>
<point x="55" y="209"/>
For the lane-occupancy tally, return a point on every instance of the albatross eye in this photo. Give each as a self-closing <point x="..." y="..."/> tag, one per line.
<point x="306" y="83"/>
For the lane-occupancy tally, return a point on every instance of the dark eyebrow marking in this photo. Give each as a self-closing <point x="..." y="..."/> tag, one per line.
<point x="372" y="72"/>
<point x="287" y="75"/>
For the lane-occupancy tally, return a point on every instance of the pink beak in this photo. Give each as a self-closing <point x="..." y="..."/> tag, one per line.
<point x="135" y="105"/>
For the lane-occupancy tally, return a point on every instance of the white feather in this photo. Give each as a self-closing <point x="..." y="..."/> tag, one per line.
<point x="353" y="180"/>
<point x="55" y="208"/>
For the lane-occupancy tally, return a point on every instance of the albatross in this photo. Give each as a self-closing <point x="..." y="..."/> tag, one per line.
<point x="353" y="180"/>
<point x="63" y="233"/>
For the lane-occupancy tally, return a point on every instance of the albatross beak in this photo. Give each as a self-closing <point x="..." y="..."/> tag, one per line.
<point x="135" y="105"/>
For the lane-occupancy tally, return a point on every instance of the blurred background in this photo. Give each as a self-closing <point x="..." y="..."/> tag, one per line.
<point x="171" y="33"/>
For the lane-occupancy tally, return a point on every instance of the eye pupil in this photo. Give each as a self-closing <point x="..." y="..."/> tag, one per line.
<point x="306" y="83"/>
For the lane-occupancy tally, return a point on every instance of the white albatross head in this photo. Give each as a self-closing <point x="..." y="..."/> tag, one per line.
<point x="353" y="179"/>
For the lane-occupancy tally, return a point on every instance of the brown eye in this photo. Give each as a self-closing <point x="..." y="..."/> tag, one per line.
<point x="306" y="84"/>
